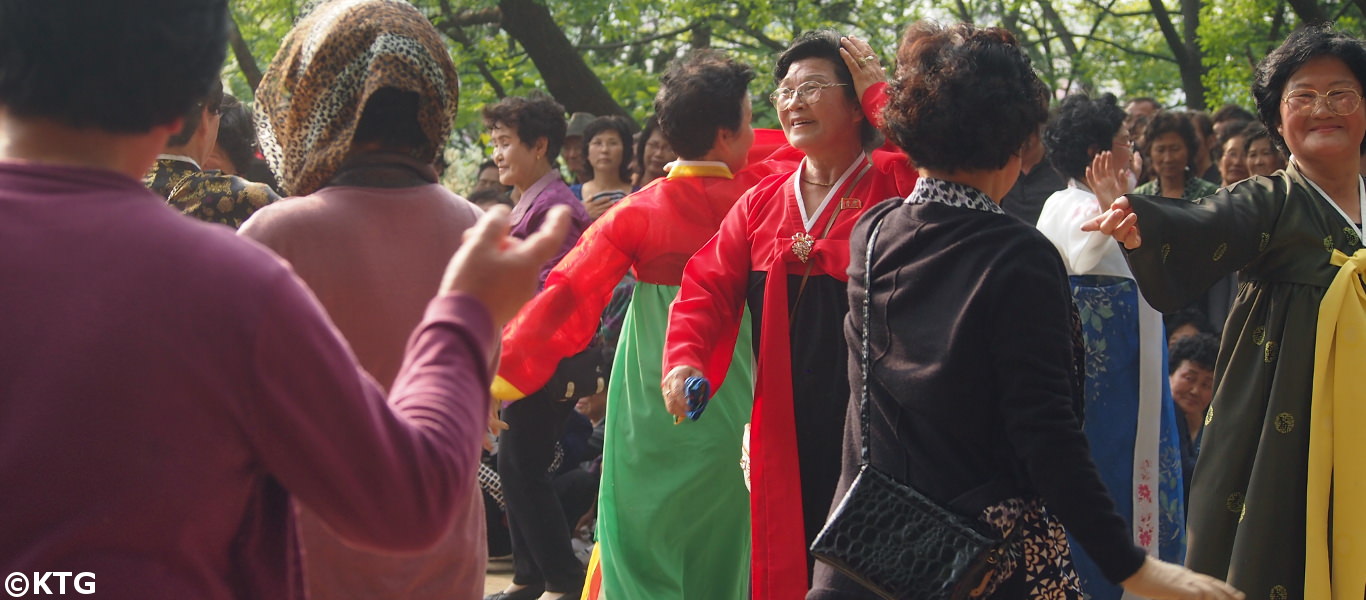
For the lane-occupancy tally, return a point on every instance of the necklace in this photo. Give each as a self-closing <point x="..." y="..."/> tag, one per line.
<point x="805" y="180"/>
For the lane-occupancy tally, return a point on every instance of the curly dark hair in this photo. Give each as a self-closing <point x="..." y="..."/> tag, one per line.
<point x="534" y="117"/>
<point x="1165" y="122"/>
<point x="622" y="126"/>
<point x="1081" y="127"/>
<point x="236" y="133"/>
<point x="964" y="98"/>
<point x="824" y="43"/>
<point x="699" y="94"/>
<point x="1201" y="349"/>
<point x="1312" y="41"/>
<point x="122" y="67"/>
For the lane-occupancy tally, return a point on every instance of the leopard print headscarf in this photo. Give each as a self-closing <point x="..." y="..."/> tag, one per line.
<point x="312" y="96"/>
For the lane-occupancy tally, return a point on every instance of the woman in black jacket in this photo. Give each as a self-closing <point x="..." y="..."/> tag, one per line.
<point x="971" y="333"/>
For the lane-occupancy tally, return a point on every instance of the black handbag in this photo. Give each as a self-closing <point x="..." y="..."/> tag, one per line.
<point x="892" y="539"/>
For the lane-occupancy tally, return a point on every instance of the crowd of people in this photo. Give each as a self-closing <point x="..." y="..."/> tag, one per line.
<point x="263" y="352"/>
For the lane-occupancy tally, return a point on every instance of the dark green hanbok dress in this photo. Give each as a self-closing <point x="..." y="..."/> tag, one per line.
<point x="1247" y="502"/>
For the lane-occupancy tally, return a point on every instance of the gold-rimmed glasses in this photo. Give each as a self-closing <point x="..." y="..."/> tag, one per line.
<point x="807" y="93"/>
<point x="1344" y="101"/>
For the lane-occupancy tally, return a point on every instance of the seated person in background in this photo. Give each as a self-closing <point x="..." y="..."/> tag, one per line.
<point x="1190" y="371"/>
<point x="652" y="153"/>
<point x="607" y="154"/>
<point x="1262" y="156"/>
<point x="487" y="198"/>
<point x="207" y="195"/>
<point x="1184" y="323"/>
<point x="487" y="179"/>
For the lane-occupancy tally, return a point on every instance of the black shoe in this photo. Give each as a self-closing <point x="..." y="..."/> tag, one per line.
<point x="531" y="592"/>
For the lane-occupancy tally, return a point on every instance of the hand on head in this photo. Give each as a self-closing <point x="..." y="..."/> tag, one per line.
<point x="863" y="64"/>
<point x="499" y="270"/>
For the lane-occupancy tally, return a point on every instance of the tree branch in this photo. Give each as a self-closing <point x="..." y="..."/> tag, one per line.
<point x="1122" y="48"/>
<point x="642" y="41"/>
<point x="454" y="31"/>
<point x="1164" y="22"/>
<point x="242" y="52"/>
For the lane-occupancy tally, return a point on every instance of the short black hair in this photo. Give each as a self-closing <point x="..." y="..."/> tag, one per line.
<point x="122" y="67"/>
<point x="623" y="127"/>
<point x="699" y="94"/>
<point x="1303" y="44"/>
<point x="236" y="133"/>
<point x="212" y="100"/>
<point x="1187" y="316"/>
<point x="825" y="43"/>
<point x="487" y="164"/>
<point x="1165" y="122"/>
<point x="534" y="117"/>
<point x="1232" y="112"/>
<point x="390" y="118"/>
<point x="1201" y="349"/>
<point x="964" y="98"/>
<point x="1233" y="130"/>
<point x="1079" y="123"/>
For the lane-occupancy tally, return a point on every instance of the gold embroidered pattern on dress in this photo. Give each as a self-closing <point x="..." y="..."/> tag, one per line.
<point x="1263" y="242"/>
<point x="1220" y="250"/>
<point x="1234" y="504"/>
<point x="1259" y="335"/>
<point x="1166" y="251"/>
<point x="1285" y="422"/>
<point x="801" y="246"/>
<point x="1209" y="415"/>
<point x="1352" y="238"/>
<point x="1278" y="592"/>
<point x="1328" y="243"/>
<point x="1269" y="353"/>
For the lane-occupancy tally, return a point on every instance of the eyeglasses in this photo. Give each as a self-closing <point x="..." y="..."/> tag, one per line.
<point x="1340" y="102"/>
<point x="807" y="93"/>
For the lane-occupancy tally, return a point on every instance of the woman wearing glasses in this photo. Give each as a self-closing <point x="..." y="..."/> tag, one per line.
<point x="782" y="252"/>
<point x="1268" y="458"/>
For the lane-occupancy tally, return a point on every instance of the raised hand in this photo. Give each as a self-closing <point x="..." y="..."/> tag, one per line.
<point x="1108" y="178"/>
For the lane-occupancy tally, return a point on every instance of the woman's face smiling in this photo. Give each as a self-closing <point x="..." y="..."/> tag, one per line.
<point x="830" y="122"/>
<point x="1315" y="133"/>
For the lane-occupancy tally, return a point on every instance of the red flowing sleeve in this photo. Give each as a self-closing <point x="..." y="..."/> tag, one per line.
<point x="562" y="319"/>
<point x="704" y="321"/>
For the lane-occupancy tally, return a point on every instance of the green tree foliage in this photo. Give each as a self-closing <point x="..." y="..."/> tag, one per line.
<point x="1183" y="52"/>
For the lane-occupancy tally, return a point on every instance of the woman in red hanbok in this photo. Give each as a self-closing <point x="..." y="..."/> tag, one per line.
<point x="783" y="251"/>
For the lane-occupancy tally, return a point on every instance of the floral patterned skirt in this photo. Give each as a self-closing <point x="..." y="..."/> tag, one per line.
<point x="1038" y="566"/>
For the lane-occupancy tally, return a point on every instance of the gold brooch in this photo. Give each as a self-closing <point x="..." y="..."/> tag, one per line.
<point x="801" y="246"/>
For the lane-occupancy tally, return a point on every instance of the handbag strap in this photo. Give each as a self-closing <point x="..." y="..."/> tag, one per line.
<point x="863" y="349"/>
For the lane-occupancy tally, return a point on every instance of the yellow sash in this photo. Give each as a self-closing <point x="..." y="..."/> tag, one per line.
<point x="1337" y="464"/>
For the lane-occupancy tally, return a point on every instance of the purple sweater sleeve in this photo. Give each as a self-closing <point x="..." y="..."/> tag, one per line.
<point x="382" y="474"/>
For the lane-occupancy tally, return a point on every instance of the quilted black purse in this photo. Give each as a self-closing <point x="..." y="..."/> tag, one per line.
<point x="893" y="540"/>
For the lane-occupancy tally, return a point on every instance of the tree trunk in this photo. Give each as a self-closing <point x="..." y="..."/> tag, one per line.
<point x="566" y="75"/>
<point x="242" y="53"/>
<point x="1185" y="47"/>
